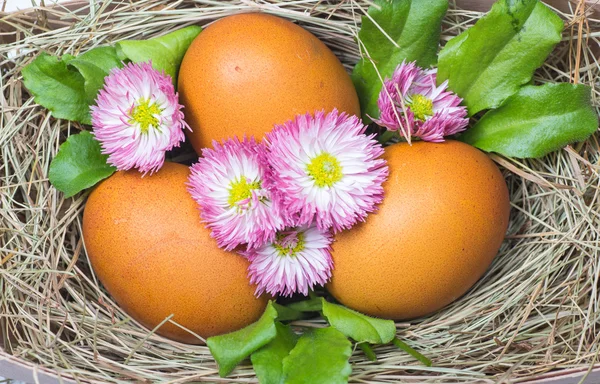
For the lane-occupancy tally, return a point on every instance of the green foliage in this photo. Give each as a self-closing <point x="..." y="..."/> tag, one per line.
<point x="57" y="87"/>
<point x="230" y="349"/>
<point x="166" y="52"/>
<point x="94" y="66"/>
<point x="413" y="33"/>
<point x="268" y="361"/>
<point x="359" y="327"/>
<point x="68" y="86"/>
<point x="286" y="314"/>
<point x="279" y="356"/>
<point x="490" y="61"/>
<point x="320" y="356"/>
<point x="78" y="165"/>
<point x="311" y="305"/>
<point x="536" y="121"/>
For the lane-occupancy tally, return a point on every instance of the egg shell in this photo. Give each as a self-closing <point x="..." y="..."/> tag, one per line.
<point x="146" y="244"/>
<point x="244" y="73"/>
<point x="443" y="218"/>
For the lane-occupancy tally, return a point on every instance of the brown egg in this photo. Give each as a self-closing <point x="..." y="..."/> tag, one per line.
<point x="441" y="223"/>
<point x="247" y="72"/>
<point x="146" y="243"/>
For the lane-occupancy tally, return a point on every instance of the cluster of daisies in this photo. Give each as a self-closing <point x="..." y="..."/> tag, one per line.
<point x="280" y="201"/>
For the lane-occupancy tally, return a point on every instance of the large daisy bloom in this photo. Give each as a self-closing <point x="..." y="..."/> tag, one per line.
<point x="327" y="169"/>
<point x="229" y="184"/>
<point x="297" y="260"/>
<point x="411" y="103"/>
<point x="137" y="117"/>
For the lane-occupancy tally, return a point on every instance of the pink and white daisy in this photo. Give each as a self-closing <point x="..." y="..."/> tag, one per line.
<point x="137" y="117"/>
<point x="297" y="260"/>
<point x="229" y="184"/>
<point x="412" y="103"/>
<point x="327" y="169"/>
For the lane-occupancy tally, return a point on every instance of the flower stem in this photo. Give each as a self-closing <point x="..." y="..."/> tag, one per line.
<point x="406" y="348"/>
<point x="366" y="348"/>
<point x="386" y="136"/>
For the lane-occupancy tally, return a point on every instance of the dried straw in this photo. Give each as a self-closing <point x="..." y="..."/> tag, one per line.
<point x="537" y="308"/>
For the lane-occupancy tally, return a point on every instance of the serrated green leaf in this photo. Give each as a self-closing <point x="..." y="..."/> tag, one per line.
<point x="536" y="121"/>
<point x="94" y="66"/>
<point x="57" y="87"/>
<point x="413" y="25"/>
<point x="359" y="327"/>
<point x="490" y="61"/>
<point x="166" y="52"/>
<point x="268" y="361"/>
<point x="230" y="349"/>
<point x="79" y="164"/>
<point x="320" y="356"/>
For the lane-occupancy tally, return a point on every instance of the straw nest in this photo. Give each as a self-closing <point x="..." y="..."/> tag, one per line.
<point x="537" y="309"/>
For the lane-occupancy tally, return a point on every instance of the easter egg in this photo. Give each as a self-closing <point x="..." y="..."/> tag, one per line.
<point x="148" y="247"/>
<point x="244" y="73"/>
<point x="442" y="221"/>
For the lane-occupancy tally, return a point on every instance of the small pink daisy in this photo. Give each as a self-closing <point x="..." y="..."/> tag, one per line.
<point x="228" y="183"/>
<point x="412" y="103"/>
<point x="327" y="169"/>
<point x="296" y="261"/>
<point x="137" y="117"/>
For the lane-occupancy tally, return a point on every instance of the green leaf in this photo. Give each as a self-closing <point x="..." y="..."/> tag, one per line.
<point x="490" y="61"/>
<point x="57" y="87"/>
<point x="320" y="356"/>
<point x="413" y="25"/>
<point x="310" y="305"/>
<point x="287" y="314"/>
<point x="94" y="66"/>
<point x="69" y="86"/>
<point x="230" y="349"/>
<point x="268" y="361"/>
<point x="359" y="327"/>
<point x="166" y="52"/>
<point x="536" y="121"/>
<point x="79" y="164"/>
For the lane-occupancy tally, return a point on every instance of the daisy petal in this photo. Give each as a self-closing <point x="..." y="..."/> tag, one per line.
<point x="137" y="117"/>
<point x="229" y="183"/>
<point x="327" y="170"/>
<point x="412" y="103"/>
<point x="295" y="262"/>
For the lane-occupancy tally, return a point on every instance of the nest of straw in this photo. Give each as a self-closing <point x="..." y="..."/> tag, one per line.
<point x="537" y="309"/>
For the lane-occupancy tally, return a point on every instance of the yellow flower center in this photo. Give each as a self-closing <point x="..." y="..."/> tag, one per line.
<point x="421" y="106"/>
<point x="325" y="170"/>
<point x="145" y="115"/>
<point x="240" y="190"/>
<point x="289" y="243"/>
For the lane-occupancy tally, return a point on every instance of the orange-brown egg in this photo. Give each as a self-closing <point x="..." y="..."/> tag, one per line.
<point x="442" y="221"/>
<point x="146" y="243"/>
<point x="247" y="72"/>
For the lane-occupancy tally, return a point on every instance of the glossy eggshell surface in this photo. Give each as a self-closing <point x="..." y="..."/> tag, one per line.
<point x="442" y="221"/>
<point x="247" y="72"/>
<point x="146" y="244"/>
